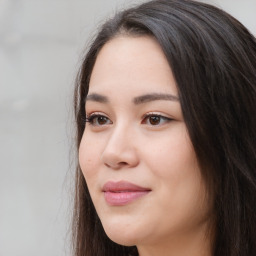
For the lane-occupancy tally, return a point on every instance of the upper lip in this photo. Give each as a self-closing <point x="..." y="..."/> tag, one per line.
<point x="122" y="186"/>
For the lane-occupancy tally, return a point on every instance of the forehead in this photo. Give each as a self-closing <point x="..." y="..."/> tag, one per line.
<point x="132" y="64"/>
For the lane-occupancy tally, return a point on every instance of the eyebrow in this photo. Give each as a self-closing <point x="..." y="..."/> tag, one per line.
<point x="154" y="96"/>
<point x="137" y="100"/>
<point x="97" y="97"/>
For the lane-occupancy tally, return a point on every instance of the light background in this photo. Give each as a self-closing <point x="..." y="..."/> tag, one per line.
<point x="41" y="44"/>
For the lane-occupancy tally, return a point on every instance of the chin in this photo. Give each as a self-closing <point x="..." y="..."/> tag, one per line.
<point x="122" y="241"/>
<point x="121" y="235"/>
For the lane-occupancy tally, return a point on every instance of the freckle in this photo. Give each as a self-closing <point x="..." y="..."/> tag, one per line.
<point x="89" y="160"/>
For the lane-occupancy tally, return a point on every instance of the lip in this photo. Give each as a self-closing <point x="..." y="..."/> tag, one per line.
<point x="122" y="192"/>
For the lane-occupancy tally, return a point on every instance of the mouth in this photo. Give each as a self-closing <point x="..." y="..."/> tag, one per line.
<point x="122" y="192"/>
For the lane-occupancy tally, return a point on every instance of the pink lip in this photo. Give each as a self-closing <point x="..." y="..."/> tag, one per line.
<point x="122" y="192"/>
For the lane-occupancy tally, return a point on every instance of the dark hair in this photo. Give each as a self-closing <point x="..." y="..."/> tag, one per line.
<point x="213" y="59"/>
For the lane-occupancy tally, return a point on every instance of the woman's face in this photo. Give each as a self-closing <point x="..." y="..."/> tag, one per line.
<point x="135" y="154"/>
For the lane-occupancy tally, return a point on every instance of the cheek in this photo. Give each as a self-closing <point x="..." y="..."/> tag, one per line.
<point x="88" y="158"/>
<point x="172" y="155"/>
<point x="176" y="172"/>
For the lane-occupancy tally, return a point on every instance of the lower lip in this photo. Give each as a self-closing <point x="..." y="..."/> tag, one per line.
<point x="123" y="198"/>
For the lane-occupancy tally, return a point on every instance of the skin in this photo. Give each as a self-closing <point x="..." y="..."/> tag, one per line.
<point x="121" y="143"/>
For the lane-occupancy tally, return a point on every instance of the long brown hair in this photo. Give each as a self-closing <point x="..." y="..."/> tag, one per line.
<point x="213" y="59"/>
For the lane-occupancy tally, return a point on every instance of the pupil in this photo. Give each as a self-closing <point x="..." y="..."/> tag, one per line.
<point x="154" y="120"/>
<point x="101" y="120"/>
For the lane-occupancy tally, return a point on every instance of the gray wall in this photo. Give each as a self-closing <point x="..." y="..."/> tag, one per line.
<point x="41" y="42"/>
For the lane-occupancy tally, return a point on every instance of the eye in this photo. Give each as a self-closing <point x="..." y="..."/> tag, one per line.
<point x="98" y="120"/>
<point x="155" y="119"/>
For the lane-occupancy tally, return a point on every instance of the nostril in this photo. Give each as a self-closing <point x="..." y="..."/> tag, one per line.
<point x="109" y="166"/>
<point x="117" y="165"/>
<point x="117" y="157"/>
<point x="122" y="164"/>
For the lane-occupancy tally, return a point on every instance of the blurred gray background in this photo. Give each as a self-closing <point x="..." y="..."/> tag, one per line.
<point x="41" y="44"/>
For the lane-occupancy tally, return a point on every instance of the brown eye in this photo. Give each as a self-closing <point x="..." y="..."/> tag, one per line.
<point x="101" y="120"/>
<point x="98" y="120"/>
<point x="155" y="120"/>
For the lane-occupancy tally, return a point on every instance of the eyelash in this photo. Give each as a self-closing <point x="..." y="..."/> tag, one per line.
<point x="155" y="115"/>
<point x="92" y="118"/>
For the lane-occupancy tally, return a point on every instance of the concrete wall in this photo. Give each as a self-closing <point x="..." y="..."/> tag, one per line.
<point x="41" y="42"/>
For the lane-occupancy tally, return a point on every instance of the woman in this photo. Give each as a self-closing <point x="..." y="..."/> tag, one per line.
<point x="165" y="110"/>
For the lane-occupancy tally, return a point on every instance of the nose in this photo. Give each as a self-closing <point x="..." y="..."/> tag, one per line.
<point x="120" y="150"/>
